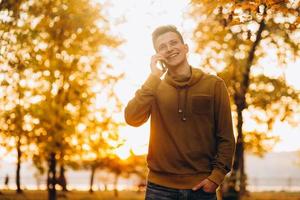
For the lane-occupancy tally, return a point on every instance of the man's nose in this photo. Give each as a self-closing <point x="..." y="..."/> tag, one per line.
<point x="169" y="48"/>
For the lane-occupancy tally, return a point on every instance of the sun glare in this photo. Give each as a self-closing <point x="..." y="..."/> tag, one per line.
<point x="134" y="23"/>
<point x="141" y="18"/>
<point x="123" y="152"/>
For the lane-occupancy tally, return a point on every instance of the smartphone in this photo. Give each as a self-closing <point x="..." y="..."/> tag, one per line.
<point x="163" y="65"/>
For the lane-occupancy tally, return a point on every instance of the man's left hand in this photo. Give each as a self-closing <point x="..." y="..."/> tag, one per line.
<point x="207" y="185"/>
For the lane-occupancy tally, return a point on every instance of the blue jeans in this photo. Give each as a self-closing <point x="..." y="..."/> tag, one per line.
<point x="157" y="192"/>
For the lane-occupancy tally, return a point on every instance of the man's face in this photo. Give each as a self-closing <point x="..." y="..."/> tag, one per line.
<point x="171" y="48"/>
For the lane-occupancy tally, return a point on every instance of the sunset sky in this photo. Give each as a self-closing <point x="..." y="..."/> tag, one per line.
<point x="137" y="19"/>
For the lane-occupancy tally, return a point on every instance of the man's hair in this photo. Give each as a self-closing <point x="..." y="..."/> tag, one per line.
<point x="164" y="29"/>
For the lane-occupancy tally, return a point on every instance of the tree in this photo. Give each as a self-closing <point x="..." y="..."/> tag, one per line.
<point x="98" y="148"/>
<point x="96" y="134"/>
<point x="74" y="31"/>
<point x="139" y="168"/>
<point x="13" y="118"/>
<point x="236" y="38"/>
<point x="64" y="60"/>
<point x="16" y="96"/>
<point x="125" y="167"/>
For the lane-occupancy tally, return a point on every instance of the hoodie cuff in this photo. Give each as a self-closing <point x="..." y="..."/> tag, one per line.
<point x="152" y="82"/>
<point x="217" y="176"/>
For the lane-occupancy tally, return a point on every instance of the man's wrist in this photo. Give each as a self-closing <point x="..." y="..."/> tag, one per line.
<point x="217" y="176"/>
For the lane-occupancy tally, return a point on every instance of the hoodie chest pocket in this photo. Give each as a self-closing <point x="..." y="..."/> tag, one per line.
<point x="202" y="104"/>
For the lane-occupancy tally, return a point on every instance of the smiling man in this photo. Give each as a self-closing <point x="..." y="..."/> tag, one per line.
<point x="191" y="138"/>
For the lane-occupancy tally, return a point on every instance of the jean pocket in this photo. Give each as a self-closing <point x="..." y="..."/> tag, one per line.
<point x="155" y="192"/>
<point x="203" y="195"/>
<point x="209" y="193"/>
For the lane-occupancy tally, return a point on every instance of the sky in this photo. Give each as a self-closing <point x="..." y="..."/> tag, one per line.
<point x="137" y="19"/>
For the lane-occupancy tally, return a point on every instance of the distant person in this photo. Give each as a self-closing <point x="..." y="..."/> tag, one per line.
<point x="6" y="181"/>
<point x="191" y="135"/>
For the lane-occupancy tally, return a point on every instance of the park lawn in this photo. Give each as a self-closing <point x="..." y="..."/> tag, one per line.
<point x="273" y="196"/>
<point x="129" y="195"/>
<point x="72" y="195"/>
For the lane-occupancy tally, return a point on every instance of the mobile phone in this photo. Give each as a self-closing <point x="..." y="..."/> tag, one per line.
<point x="163" y="65"/>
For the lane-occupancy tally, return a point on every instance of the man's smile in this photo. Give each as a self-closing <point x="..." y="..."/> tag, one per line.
<point x="173" y="55"/>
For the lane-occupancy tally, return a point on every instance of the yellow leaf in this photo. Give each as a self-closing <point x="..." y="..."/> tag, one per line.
<point x="235" y="22"/>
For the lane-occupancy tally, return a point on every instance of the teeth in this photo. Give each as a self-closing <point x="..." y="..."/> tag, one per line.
<point x="173" y="55"/>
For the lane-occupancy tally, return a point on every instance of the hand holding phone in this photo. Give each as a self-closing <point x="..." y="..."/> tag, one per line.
<point x="162" y="65"/>
<point x="158" y="66"/>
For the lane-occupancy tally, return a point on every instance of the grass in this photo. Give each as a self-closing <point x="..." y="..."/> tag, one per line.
<point x="72" y="195"/>
<point x="273" y="196"/>
<point x="128" y="195"/>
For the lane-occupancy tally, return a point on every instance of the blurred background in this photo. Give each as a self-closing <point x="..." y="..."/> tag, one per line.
<point x="68" y="69"/>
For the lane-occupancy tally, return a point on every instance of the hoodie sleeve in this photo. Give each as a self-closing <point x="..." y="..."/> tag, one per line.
<point x="224" y="134"/>
<point x="138" y="109"/>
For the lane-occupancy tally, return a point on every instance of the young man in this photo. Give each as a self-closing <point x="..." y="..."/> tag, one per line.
<point x="191" y="138"/>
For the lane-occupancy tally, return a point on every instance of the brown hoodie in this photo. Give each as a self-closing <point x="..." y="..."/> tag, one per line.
<point x="191" y="136"/>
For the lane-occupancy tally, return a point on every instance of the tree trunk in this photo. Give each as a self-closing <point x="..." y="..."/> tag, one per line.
<point x="62" y="178"/>
<point x="18" y="171"/>
<point x="238" y="176"/>
<point x="238" y="165"/>
<point x="234" y="190"/>
<point x="116" y="193"/>
<point x="51" y="183"/>
<point x="93" y="169"/>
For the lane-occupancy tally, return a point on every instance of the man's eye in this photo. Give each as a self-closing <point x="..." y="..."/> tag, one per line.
<point x="161" y="48"/>
<point x="173" y="43"/>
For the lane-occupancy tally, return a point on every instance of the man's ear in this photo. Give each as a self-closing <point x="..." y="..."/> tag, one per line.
<point x="186" y="47"/>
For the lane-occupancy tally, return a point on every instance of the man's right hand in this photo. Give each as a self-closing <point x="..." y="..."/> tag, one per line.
<point x="154" y="61"/>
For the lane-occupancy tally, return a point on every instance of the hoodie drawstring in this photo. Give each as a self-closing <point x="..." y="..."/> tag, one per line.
<point x="182" y="110"/>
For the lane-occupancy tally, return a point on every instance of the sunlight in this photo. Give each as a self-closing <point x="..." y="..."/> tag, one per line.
<point x="289" y="137"/>
<point x="137" y="50"/>
<point x="81" y="127"/>
<point x="123" y="152"/>
<point x="58" y="97"/>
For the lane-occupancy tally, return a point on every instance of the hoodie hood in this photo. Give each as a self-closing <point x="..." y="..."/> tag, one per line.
<point x="182" y="84"/>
